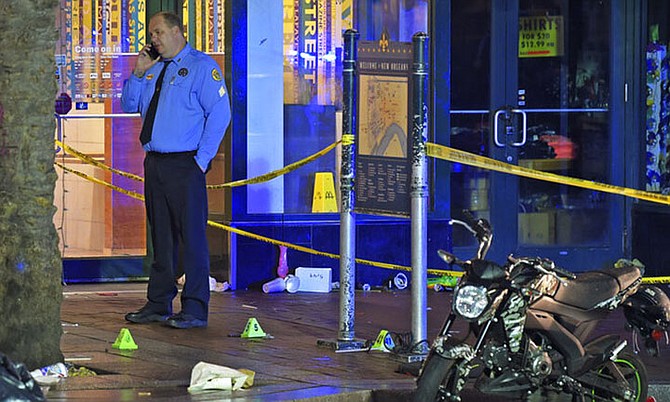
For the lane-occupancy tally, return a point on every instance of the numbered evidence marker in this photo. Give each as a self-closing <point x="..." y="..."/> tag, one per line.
<point x="253" y="329"/>
<point x="324" y="199"/>
<point x="384" y="342"/>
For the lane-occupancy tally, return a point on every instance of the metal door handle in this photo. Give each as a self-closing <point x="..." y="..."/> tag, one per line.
<point x="524" y="125"/>
<point x="495" y="128"/>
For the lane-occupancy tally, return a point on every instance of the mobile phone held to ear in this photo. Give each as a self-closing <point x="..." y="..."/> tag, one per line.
<point x="153" y="53"/>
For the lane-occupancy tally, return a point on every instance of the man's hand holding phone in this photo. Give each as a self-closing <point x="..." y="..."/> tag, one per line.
<point x="148" y="57"/>
<point x="151" y="50"/>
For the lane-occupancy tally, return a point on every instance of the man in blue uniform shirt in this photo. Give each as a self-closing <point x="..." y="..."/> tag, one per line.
<point x="185" y="108"/>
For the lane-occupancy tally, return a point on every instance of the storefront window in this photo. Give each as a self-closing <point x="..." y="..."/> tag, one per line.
<point x="554" y="115"/>
<point x="294" y="98"/>
<point x="312" y="49"/>
<point x="95" y="53"/>
<point x="657" y="177"/>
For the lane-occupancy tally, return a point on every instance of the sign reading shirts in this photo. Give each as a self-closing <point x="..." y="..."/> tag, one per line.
<point x="541" y="36"/>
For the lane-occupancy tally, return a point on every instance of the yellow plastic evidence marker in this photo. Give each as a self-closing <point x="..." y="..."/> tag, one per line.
<point x="253" y="329"/>
<point x="384" y="342"/>
<point x="124" y="340"/>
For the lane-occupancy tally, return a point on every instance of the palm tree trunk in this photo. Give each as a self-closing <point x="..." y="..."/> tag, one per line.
<point x="30" y="263"/>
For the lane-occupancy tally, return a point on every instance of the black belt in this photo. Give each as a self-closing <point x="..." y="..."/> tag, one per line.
<point x="172" y="154"/>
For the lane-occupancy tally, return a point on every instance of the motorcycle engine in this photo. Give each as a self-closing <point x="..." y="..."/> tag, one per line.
<point x="495" y="357"/>
<point x="512" y="376"/>
<point x="538" y="362"/>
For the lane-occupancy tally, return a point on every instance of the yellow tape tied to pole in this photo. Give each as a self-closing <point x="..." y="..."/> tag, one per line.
<point x="466" y="158"/>
<point x="433" y="150"/>
<point x="255" y="180"/>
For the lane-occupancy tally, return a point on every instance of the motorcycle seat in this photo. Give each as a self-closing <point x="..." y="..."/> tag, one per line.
<point x="626" y="275"/>
<point x="593" y="287"/>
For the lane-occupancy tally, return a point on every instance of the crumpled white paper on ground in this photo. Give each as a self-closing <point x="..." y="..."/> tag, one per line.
<point x="211" y="377"/>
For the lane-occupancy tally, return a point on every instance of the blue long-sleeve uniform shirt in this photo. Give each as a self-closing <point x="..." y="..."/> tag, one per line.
<point x="193" y="110"/>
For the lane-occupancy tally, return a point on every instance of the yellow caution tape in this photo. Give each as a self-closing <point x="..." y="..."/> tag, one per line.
<point x="434" y="150"/>
<point x="269" y="176"/>
<point x="104" y="183"/>
<point x="258" y="237"/>
<point x="259" y="179"/>
<point x="658" y="279"/>
<point x="455" y="155"/>
<point x="91" y="161"/>
<point x="323" y="253"/>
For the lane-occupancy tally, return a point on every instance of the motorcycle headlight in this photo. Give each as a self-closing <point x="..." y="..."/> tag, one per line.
<point x="471" y="301"/>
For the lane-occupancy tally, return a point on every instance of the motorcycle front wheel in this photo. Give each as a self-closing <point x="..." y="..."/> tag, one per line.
<point x="438" y="373"/>
<point x="634" y="372"/>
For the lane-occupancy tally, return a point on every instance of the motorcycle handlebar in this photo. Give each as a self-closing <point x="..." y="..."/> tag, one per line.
<point x="551" y="266"/>
<point x="480" y="228"/>
<point x="564" y="272"/>
<point x="546" y="266"/>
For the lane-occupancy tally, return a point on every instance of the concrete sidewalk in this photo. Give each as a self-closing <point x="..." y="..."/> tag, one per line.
<point x="288" y="365"/>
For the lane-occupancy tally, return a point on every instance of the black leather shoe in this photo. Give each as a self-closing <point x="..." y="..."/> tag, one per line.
<point x="145" y="315"/>
<point x="185" y="321"/>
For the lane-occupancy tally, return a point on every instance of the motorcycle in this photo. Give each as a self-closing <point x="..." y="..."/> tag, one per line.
<point x="528" y="324"/>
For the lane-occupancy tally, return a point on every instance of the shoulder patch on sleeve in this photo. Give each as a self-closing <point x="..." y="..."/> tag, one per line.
<point x="222" y="91"/>
<point x="216" y="75"/>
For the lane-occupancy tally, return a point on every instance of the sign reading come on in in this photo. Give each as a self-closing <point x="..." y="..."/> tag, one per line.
<point x="541" y="36"/>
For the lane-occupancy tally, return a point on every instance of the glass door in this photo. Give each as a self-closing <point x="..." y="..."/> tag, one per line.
<point x="531" y="86"/>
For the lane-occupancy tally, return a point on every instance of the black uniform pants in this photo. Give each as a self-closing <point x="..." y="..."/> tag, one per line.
<point x="176" y="204"/>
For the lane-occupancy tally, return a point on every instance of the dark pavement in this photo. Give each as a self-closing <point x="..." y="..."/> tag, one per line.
<point x="288" y="365"/>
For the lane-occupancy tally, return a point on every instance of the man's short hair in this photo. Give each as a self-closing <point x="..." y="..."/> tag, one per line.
<point x="171" y="19"/>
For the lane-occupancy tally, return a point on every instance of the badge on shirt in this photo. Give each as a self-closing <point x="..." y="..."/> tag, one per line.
<point x="150" y="76"/>
<point x="216" y="75"/>
<point x="183" y="72"/>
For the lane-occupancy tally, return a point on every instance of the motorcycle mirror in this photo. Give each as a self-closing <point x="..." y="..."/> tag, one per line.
<point x="447" y="256"/>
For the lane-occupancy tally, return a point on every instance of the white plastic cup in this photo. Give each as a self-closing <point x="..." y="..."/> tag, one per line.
<point x="292" y="283"/>
<point x="275" y="285"/>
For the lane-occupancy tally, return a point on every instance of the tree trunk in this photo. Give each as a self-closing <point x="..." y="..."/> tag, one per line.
<point x="30" y="263"/>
